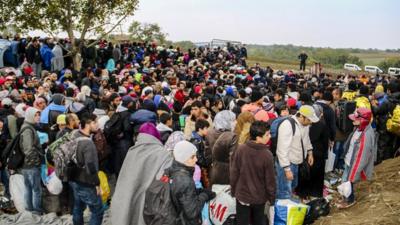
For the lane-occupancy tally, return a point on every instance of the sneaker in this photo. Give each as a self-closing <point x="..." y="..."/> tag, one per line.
<point x="345" y="205"/>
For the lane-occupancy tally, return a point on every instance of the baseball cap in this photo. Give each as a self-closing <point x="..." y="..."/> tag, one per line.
<point x="309" y="112"/>
<point x="361" y="114"/>
<point x="61" y="119"/>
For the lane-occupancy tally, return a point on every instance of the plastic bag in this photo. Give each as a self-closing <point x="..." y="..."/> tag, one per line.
<point x="223" y="205"/>
<point x="345" y="189"/>
<point x="287" y="212"/>
<point x="17" y="191"/>
<point x="54" y="184"/>
<point x="104" y="186"/>
<point x="330" y="162"/>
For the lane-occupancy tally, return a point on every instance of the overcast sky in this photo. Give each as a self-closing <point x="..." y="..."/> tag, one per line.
<point x="320" y="23"/>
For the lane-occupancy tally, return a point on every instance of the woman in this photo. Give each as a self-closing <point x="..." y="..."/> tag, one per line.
<point x="242" y="128"/>
<point x="319" y="137"/>
<point x="217" y="107"/>
<point x="222" y="143"/>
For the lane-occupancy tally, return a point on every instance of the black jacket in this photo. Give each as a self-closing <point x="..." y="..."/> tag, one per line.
<point x="184" y="195"/>
<point x="387" y="107"/>
<point x="330" y="120"/>
<point x="319" y="137"/>
<point x="88" y="164"/>
<point x="33" y="54"/>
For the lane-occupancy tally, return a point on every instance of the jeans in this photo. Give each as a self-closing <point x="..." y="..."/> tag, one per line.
<point x="37" y="68"/>
<point x="86" y="196"/>
<point x="33" y="192"/>
<point x="285" y="187"/>
<point x="244" y="212"/>
<point x="338" y="150"/>
<point x="6" y="182"/>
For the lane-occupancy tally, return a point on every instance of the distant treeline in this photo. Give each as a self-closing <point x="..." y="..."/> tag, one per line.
<point x="331" y="56"/>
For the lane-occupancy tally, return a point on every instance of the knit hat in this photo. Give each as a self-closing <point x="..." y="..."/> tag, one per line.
<point x="255" y="96"/>
<point x="183" y="151"/>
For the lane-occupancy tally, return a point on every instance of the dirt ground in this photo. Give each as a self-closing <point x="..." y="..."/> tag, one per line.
<point x="378" y="201"/>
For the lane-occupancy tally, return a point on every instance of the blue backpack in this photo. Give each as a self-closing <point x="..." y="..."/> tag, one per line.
<point x="275" y="124"/>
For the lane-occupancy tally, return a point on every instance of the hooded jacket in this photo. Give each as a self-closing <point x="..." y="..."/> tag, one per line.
<point x="364" y="155"/>
<point x="145" y="161"/>
<point x="29" y="141"/>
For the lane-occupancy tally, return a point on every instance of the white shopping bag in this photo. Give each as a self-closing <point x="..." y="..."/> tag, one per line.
<point x="330" y="162"/>
<point x="17" y="191"/>
<point x="345" y="189"/>
<point x="223" y="205"/>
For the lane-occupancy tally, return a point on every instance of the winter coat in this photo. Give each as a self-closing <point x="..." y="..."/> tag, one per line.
<point x="364" y="155"/>
<point x="30" y="146"/>
<point x="222" y="150"/>
<point x="319" y="137"/>
<point x="144" y="162"/>
<point x="330" y="120"/>
<point x="252" y="174"/>
<point x="88" y="163"/>
<point x="57" y="62"/>
<point x="184" y="194"/>
<point x="47" y="55"/>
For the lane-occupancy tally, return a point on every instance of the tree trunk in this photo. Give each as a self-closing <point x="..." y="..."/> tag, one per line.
<point x="76" y="58"/>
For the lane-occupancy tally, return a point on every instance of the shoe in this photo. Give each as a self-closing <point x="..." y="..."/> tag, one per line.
<point x="345" y="205"/>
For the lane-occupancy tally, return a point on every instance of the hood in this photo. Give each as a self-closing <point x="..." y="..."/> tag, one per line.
<point x="30" y="115"/>
<point x="99" y="112"/>
<point x="58" y="99"/>
<point x="162" y="127"/>
<point x="394" y="98"/>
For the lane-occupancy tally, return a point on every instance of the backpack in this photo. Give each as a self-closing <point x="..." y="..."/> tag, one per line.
<point x="159" y="208"/>
<point x="13" y="156"/>
<point x="102" y="147"/>
<point x="113" y="128"/>
<point x="343" y="110"/>
<point x="274" y="129"/>
<point x="64" y="154"/>
<point x="393" y="122"/>
<point x="318" y="207"/>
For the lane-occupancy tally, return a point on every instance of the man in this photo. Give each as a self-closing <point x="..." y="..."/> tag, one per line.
<point x="195" y="114"/>
<point x="252" y="176"/>
<point x="198" y="138"/>
<point x="144" y="162"/>
<point x="303" y="58"/>
<point x="165" y="126"/>
<point x="34" y="58"/>
<point x="279" y="100"/>
<point x="30" y="146"/>
<point x="290" y="149"/>
<point x="329" y="115"/>
<point x="360" y="152"/>
<point x="84" y="180"/>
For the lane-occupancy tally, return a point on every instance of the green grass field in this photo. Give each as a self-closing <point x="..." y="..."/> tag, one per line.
<point x="373" y="59"/>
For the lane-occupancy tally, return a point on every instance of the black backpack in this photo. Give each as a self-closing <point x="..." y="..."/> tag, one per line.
<point x="113" y="128"/>
<point x="159" y="208"/>
<point x="318" y="207"/>
<point x="13" y="156"/>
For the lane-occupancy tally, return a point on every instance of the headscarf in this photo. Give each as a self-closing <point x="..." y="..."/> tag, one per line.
<point x="224" y="120"/>
<point x="174" y="138"/>
<point x="150" y="129"/>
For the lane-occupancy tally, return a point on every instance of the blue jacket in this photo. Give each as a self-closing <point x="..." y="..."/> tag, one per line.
<point x="47" y="55"/>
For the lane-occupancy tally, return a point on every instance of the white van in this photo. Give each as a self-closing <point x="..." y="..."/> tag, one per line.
<point x="394" y="71"/>
<point x="351" y="67"/>
<point x="372" y="69"/>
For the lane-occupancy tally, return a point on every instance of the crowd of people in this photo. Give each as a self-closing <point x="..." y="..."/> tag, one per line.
<point x="140" y="111"/>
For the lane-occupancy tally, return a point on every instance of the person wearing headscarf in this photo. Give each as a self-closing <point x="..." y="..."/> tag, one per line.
<point x="145" y="161"/>
<point x="174" y="138"/>
<point x="222" y="142"/>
